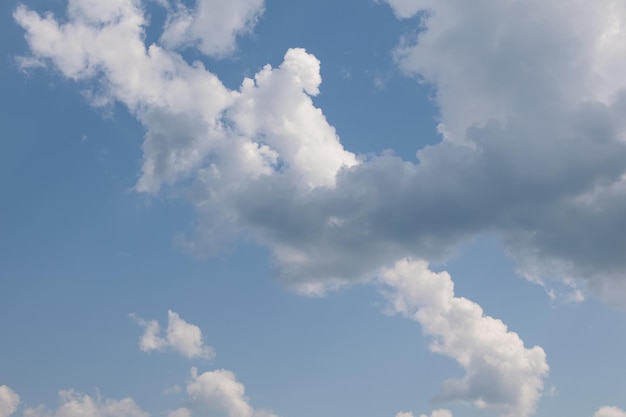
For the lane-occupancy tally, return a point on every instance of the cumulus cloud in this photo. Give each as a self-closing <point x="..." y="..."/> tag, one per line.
<point x="9" y="401"/>
<point x="180" y="336"/>
<point x="217" y="394"/>
<point x="211" y="25"/>
<point x="500" y="372"/>
<point x="610" y="412"/>
<point x="74" y="404"/>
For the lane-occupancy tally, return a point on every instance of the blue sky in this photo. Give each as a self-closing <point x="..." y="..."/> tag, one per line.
<point x="172" y="233"/>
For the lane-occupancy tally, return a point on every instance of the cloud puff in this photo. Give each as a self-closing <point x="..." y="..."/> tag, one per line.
<point x="435" y="413"/>
<point x="9" y="401"/>
<point x="610" y="412"/>
<point x="180" y="336"/>
<point x="217" y="394"/>
<point x="74" y="404"/>
<point x="212" y="25"/>
<point x="501" y="373"/>
<point x="538" y="159"/>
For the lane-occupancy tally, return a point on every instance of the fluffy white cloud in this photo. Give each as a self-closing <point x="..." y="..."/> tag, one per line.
<point x="501" y="373"/>
<point x="217" y="394"/>
<point x="9" y="401"/>
<point x="610" y="412"/>
<point x="212" y="25"/>
<point x="180" y="336"/>
<point x="81" y="405"/>
<point x="182" y="105"/>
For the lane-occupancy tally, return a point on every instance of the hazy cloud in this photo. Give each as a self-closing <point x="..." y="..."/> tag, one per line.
<point x="439" y="413"/>
<point x="9" y="401"/>
<point x="435" y="413"/>
<point x="74" y="404"/>
<point x="610" y="412"/>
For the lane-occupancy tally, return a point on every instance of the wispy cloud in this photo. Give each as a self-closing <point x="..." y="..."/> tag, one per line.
<point x="9" y="400"/>
<point x="211" y="26"/>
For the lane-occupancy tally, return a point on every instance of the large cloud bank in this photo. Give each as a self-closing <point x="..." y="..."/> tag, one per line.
<point x="532" y="103"/>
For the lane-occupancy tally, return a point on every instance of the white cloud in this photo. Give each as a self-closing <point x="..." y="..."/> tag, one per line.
<point x="217" y="394"/>
<point x="9" y="401"/>
<point x="500" y="372"/>
<point x="212" y="25"/>
<point x="81" y="405"/>
<point x="180" y="336"/>
<point x="610" y="412"/>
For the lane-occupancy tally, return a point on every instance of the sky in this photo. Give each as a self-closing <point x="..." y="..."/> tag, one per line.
<point x="272" y="208"/>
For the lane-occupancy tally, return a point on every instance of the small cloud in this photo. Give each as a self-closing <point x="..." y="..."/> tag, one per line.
<point x="180" y="336"/>
<point x="218" y="393"/>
